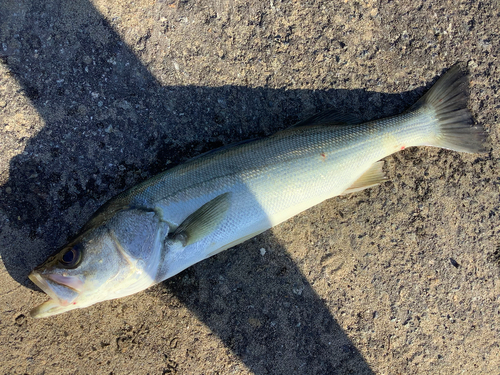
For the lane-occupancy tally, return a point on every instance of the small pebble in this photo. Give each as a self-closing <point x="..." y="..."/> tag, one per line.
<point x="87" y="60"/>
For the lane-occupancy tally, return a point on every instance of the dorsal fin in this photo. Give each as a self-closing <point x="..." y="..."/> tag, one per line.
<point x="329" y="117"/>
<point x="222" y="148"/>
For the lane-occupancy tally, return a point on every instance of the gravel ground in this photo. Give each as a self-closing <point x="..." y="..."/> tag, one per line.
<point x="398" y="279"/>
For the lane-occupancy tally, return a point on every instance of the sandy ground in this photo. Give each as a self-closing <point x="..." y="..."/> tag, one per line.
<point x="399" y="279"/>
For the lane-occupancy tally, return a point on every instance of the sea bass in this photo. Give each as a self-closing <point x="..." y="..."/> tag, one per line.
<point x="217" y="200"/>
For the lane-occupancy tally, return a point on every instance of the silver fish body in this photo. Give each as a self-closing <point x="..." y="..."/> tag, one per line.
<point x="195" y="210"/>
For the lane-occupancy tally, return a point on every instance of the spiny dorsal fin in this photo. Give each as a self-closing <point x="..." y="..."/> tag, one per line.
<point x="223" y="148"/>
<point x="203" y="221"/>
<point x="329" y="117"/>
<point x="372" y="177"/>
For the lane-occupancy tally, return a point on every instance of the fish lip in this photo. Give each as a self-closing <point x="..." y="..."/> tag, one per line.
<point x="40" y="282"/>
<point x="43" y="282"/>
<point x="46" y="309"/>
<point x="56" y="304"/>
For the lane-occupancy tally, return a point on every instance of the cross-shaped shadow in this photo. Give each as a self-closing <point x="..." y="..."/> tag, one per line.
<point x="109" y="124"/>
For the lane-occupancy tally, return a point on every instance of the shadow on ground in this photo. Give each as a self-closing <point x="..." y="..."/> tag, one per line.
<point x="264" y="310"/>
<point x="109" y="125"/>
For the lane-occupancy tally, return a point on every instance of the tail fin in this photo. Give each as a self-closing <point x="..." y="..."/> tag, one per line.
<point x="447" y="100"/>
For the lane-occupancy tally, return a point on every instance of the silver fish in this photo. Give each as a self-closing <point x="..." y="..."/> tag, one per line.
<point x="213" y="202"/>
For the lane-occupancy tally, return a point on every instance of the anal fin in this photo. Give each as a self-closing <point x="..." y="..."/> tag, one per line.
<point x="372" y="177"/>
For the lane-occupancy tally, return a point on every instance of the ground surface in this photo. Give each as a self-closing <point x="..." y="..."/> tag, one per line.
<point x="399" y="279"/>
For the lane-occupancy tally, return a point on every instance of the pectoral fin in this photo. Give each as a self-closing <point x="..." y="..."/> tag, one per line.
<point x="203" y="221"/>
<point x="372" y="177"/>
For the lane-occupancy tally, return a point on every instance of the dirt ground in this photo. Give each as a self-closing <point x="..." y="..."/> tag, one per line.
<point x="399" y="279"/>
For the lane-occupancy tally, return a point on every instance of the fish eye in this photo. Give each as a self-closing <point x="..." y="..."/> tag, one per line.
<point x="71" y="257"/>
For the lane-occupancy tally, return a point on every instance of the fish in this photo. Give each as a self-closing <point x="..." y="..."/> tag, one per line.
<point x="215" y="201"/>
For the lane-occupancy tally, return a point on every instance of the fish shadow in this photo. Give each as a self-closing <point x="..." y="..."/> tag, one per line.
<point x="109" y="124"/>
<point x="263" y="308"/>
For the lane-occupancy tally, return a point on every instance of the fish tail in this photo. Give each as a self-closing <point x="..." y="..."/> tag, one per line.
<point x="447" y="102"/>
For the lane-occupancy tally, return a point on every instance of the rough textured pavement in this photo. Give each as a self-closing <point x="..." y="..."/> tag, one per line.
<point x="399" y="279"/>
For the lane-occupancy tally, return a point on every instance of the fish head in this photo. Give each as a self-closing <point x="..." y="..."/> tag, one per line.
<point x="74" y="276"/>
<point x="57" y="278"/>
<point x="111" y="260"/>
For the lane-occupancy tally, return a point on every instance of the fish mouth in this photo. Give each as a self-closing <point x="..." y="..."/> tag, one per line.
<point x="62" y="290"/>
<point x="43" y="284"/>
<point x="71" y="282"/>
